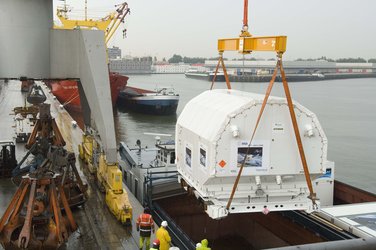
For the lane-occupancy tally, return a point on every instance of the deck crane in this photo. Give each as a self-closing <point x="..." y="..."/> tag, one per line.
<point x="108" y="24"/>
<point x="245" y="44"/>
<point x="91" y="152"/>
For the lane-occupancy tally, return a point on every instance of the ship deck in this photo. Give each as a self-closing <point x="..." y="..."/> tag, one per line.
<point x="98" y="228"/>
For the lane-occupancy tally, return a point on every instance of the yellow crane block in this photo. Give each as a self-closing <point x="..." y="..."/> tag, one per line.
<point x="110" y="178"/>
<point x="86" y="152"/>
<point x="246" y="45"/>
<point x="119" y="206"/>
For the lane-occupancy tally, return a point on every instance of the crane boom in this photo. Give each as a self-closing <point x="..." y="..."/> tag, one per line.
<point x="122" y="11"/>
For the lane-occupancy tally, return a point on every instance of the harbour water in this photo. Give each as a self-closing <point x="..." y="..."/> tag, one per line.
<point x="345" y="109"/>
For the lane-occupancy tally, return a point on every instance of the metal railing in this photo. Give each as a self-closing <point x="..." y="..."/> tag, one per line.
<point x="179" y="238"/>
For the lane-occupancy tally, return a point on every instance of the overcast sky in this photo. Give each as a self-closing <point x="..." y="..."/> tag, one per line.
<point x="315" y="28"/>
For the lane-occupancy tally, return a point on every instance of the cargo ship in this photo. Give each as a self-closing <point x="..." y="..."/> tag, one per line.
<point x="163" y="101"/>
<point x="192" y="73"/>
<point x="67" y="91"/>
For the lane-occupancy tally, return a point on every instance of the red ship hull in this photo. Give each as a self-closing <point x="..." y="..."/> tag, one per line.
<point x="66" y="91"/>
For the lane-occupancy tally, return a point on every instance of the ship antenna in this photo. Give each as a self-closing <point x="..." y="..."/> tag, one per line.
<point x="85" y="10"/>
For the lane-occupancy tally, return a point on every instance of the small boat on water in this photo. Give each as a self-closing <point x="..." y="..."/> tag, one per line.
<point x="205" y="75"/>
<point x="163" y="101"/>
<point x="220" y="77"/>
<point x="196" y="74"/>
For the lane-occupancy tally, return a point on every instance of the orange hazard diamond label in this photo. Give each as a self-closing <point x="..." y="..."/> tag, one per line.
<point x="222" y="164"/>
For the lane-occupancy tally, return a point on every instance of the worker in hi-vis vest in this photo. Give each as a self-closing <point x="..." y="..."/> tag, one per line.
<point x="204" y="245"/>
<point x="145" y="225"/>
<point x="163" y="236"/>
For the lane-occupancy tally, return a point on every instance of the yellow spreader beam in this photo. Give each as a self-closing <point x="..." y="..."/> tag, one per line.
<point x="246" y="45"/>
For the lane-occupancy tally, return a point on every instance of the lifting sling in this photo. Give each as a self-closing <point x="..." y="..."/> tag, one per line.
<point x="312" y="195"/>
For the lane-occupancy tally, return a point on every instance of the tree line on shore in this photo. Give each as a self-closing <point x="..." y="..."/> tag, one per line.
<point x="340" y="60"/>
<point x="193" y="60"/>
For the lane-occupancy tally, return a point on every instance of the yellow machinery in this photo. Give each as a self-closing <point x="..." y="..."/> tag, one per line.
<point x="245" y="44"/>
<point x="108" y="24"/>
<point x="86" y="152"/>
<point x="109" y="177"/>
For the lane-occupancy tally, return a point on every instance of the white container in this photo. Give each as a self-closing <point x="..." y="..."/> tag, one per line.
<point x="212" y="137"/>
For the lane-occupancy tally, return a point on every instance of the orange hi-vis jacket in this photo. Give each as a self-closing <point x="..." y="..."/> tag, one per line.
<point x="145" y="224"/>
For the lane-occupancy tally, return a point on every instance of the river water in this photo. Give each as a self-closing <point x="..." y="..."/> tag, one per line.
<point x="346" y="110"/>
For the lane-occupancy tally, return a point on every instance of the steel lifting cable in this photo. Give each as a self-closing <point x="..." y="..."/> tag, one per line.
<point x="71" y="100"/>
<point x="303" y="159"/>
<point x="312" y="195"/>
<point x="71" y="97"/>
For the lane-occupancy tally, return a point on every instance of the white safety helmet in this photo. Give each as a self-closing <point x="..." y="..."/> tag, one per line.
<point x="164" y="223"/>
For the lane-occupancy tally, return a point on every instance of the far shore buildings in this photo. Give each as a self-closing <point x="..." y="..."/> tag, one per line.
<point x="146" y="65"/>
<point x="166" y="68"/>
<point x="114" y="52"/>
<point x="293" y="67"/>
<point x="128" y="65"/>
<point x="131" y="65"/>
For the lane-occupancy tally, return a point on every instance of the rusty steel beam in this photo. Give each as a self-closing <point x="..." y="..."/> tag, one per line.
<point x="33" y="136"/>
<point x="61" y="231"/>
<point x="58" y="138"/>
<point x="24" y="237"/>
<point x="11" y="206"/>
<point x="68" y="211"/>
<point x="20" y="201"/>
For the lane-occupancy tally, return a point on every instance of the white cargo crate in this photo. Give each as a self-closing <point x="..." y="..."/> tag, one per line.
<point x="212" y="137"/>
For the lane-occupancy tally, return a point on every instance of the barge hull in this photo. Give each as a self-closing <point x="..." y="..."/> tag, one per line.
<point x="161" y="107"/>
